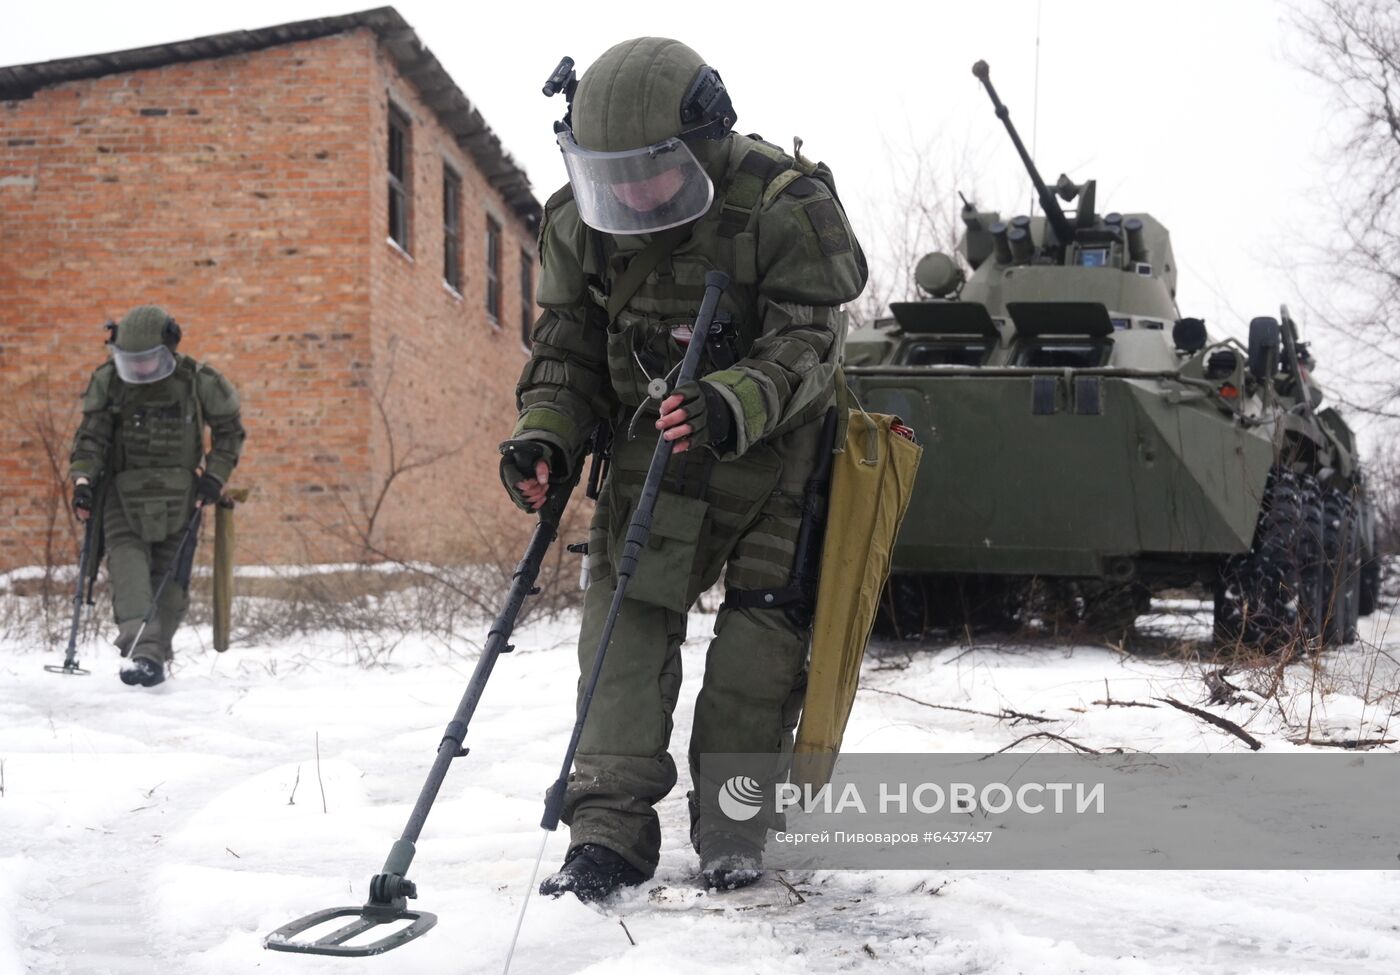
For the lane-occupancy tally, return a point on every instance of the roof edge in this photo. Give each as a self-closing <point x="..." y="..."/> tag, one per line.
<point x="415" y="63"/>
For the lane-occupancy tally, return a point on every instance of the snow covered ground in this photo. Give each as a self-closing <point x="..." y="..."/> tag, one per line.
<point x="172" y="829"/>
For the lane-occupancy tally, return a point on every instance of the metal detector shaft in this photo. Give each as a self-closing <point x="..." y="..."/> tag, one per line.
<point x="497" y="643"/>
<point x="70" y="657"/>
<point x="638" y="531"/>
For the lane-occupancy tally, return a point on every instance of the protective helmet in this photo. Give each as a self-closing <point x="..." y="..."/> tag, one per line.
<point x="647" y="116"/>
<point x="143" y="345"/>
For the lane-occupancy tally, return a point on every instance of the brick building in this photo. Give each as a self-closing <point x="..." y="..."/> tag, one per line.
<point x="336" y="229"/>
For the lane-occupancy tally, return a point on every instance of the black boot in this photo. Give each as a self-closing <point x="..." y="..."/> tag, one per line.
<point x="728" y="862"/>
<point x="143" y="671"/>
<point x="591" y="873"/>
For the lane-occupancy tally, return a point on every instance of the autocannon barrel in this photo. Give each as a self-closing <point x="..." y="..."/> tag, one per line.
<point x="1058" y="221"/>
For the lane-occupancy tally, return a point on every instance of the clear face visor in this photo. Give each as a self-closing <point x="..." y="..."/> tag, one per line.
<point x="639" y="191"/>
<point x="149" y="366"/>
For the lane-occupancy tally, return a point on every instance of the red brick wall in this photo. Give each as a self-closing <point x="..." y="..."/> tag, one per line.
<point x="247" y="196"/>
<point x="444" y="370"/>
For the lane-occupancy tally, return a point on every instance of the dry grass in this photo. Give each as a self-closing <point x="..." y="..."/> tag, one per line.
<point x="373" y="606"/>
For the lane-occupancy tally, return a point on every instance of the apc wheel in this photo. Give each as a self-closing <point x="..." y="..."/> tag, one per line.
<point x="1342" y="576"/>
<point x="1311" y="557"/>
<point x="1271" y="597"/>
<point x="1370" y="589"/>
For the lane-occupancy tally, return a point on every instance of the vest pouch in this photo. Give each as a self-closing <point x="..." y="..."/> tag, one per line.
<point x="634" y="358"/>
<point x="159" y="432"/>
<point x="667" y="571"/>
<point x="156" y="500"/>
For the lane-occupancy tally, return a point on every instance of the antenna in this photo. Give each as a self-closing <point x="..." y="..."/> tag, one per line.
<point x="1035" y="104"/>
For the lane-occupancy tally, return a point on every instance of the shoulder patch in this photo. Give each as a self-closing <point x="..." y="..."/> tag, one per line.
<point x="802" y="187"/>
<point x="826" y="221"/>
<point x="762" y="165"/>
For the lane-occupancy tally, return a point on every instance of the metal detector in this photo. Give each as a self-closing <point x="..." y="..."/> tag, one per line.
<point x="390" y="889"/>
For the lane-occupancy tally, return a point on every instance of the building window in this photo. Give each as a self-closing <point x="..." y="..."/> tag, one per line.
<point x="399" y="177"/>
<point x="452" y="229"/>
<point x="493" y="269"/>
<point x="527" y="295"/>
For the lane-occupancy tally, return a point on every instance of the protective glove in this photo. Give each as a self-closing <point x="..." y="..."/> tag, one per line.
<point x="699" y="406"/>
<point x="208" y="488"/>
<point x="519" y="463"/>
<point x="82" y="497"/>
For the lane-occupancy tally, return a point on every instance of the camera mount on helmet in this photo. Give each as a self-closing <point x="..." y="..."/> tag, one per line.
<point x="707" y="102"/>
<point x="563" y="79"/>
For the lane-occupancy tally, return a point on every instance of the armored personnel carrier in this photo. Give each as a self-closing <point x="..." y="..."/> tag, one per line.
<point x="1087" y="446"/>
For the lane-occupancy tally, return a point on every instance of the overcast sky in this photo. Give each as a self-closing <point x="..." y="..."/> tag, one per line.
<point x="1195" y="110"/>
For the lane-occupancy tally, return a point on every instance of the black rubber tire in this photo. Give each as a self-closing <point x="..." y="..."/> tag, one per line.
<point x="1270" y="596"/>
<point x="1370" y="590"/>
<point x="1311" y="557"/>
<point x="1342" y="577"/>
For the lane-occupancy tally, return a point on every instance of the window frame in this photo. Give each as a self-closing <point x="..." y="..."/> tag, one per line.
<point x="400" y="205"/>
<point x="966" y="344"/>
<point x="1027" y="349"/>
<point x="453" y="274"/>
<point x="494" y="232"/>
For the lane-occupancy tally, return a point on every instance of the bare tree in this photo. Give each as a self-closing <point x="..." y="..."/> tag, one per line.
<point x="1384" y="480"/>
<point x="921" y="213"/>
<point x="359" y="523"/>
<point x="1354" y="48"/>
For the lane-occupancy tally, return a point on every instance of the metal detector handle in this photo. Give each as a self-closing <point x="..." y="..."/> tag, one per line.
<point x="552" y="511"/>
<point x="638" y="531"/>
<point x="640" y="528"/>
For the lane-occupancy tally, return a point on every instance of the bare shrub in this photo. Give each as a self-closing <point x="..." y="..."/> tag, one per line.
<point x="923" y="214"/>
<point x="1383" y="482"/>
<point x="376" y="603"/>
<point x="1353" y="47"/>
<point x="44" y="434"/>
